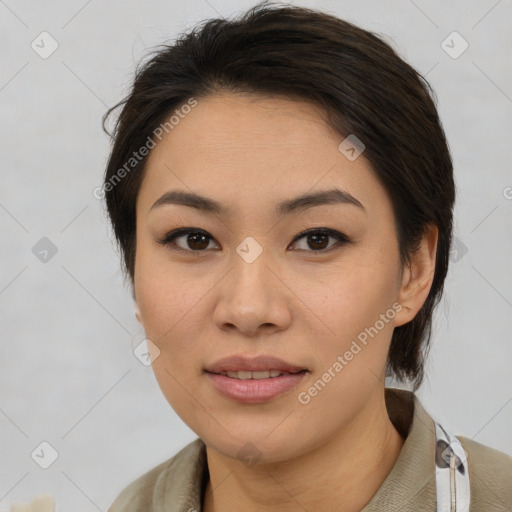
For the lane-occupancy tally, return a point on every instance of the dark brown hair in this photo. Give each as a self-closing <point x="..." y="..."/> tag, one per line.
<point x="362" y="85"/>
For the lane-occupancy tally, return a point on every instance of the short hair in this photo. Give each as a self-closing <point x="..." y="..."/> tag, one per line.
<point x="356" y="78"/>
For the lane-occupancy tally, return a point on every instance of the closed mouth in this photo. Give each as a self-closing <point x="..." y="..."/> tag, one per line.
<point x="257" y="367"/>
<point x="257" y="375"/>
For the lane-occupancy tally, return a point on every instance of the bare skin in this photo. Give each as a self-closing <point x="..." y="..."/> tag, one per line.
<point x="305" y="305"/>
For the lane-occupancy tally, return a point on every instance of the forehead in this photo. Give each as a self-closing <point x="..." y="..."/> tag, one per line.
<point x="253" y="149"/>
<point x="240" y="123"/>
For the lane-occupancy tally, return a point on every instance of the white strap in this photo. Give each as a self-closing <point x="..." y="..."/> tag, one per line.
<point x="452" y="473"/>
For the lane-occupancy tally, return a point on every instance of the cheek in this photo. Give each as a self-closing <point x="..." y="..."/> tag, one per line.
<point x="171" y="308"/>
<point x="355" y="305"/>
<point x="351" y="354"/>
<point x="166" y="293"/>
<point x="355" y="293"/>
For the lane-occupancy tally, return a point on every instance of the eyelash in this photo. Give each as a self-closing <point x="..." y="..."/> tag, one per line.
<point x="177" y="233"/>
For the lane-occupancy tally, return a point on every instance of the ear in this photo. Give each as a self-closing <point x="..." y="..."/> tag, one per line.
<point x="137" y="313"/>
<point x="417" y="277"/>
<point x="138" y="316"/>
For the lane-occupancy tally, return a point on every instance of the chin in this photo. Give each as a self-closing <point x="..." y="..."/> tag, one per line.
<point x="256" y="449"/>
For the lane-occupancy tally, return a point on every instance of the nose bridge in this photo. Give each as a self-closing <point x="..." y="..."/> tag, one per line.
<point x="250" y="265"/>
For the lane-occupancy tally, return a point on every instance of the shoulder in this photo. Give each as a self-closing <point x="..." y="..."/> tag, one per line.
<point x="490" y="473"/>
<point x="152" y="489"/>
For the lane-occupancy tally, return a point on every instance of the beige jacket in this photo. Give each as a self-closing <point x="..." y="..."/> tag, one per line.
<point x="177" y="485"/>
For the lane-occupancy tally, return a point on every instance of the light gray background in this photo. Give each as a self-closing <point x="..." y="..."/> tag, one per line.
<point x="68" y="375"/>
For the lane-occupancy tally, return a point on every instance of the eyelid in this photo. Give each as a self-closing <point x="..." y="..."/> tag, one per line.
<point x="169" y="238"/>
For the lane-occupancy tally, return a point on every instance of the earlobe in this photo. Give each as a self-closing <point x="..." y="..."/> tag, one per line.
<point x="417" y="277"/>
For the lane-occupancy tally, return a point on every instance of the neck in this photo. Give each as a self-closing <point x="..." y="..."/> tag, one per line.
<point x="342" y="474"/>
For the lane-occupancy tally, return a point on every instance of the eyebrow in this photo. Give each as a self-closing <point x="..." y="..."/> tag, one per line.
<point x="299" y="203"/>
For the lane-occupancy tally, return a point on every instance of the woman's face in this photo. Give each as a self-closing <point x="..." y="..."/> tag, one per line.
<point x="251" y="283"/>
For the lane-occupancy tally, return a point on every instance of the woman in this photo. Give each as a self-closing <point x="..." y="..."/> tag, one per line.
<point x="281" y="191"/>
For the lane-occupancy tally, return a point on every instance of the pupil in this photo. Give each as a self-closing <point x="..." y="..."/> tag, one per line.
<point x="315" y="238"/>
<point x="196" y="237"/>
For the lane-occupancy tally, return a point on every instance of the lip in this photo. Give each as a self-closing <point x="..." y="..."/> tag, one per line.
<point x="254" y="390"/>
<point x="252" y="364"/>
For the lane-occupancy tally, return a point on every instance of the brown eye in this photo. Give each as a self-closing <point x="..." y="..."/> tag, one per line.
<point x="193" y="240"/>
<point x="197" y="241"/>
<point x="317" y="240"/>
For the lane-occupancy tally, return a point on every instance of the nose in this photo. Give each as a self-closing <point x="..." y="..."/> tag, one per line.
<point x="253" y="297"/>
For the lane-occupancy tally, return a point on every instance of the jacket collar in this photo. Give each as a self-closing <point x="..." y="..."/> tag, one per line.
<point x="411" y="484"/>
